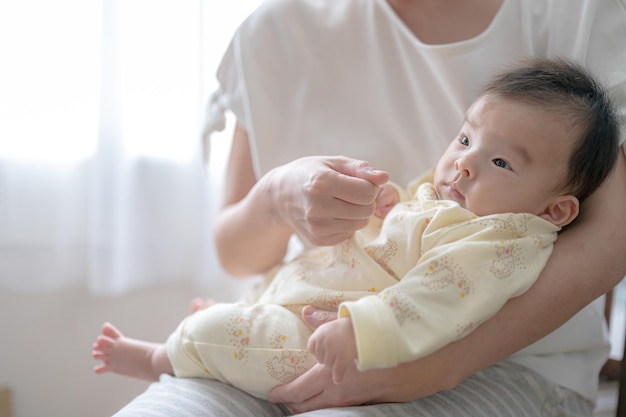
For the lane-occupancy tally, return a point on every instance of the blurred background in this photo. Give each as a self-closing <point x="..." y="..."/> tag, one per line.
<point x="105" y="198"/>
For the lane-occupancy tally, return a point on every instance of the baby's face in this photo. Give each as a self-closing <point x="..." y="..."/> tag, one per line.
<point x="508" y="157"/>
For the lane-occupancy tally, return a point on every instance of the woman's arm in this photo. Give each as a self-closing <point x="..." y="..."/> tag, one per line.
<point x="588" y="260"/>
<point x="323" y="199"/>
<point x="241" y="223"/>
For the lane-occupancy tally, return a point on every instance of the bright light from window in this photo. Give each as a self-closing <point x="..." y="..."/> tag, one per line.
<point x="155" y="67"/>
<point x="49" y="79"/>
<point x="220" y="21"/>
<point x="167" y="67"/>
<point x="159" y="64"/>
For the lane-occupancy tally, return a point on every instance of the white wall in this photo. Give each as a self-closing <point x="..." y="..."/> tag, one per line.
<point x="46" y="338"/>
<point x="45" y="347"/>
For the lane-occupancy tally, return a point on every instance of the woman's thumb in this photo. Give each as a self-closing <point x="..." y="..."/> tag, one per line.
<point x="360" y="169"/>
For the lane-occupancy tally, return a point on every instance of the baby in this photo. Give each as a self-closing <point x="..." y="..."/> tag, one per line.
<point x="449" y="253"/>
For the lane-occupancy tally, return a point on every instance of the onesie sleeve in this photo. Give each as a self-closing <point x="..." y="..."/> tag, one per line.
<point x="464" y="276"/>
<point x="370" y="332"/>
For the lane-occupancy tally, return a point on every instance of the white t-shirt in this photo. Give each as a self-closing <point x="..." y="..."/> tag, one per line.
<point x="347" y="77"/>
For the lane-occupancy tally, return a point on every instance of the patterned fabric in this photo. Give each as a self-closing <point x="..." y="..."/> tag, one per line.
<point x="289" y="57"/>
<point x="430" y="275"/>
<point x="503" y="390"/>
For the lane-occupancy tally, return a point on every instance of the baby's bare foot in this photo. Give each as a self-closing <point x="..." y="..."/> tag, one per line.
<point x="198" y="304"/>
<point x="122" y="355"/>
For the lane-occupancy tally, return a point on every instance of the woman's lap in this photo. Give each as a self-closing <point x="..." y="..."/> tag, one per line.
<point x="193" y="397"/>
<point x="503" y="390"/>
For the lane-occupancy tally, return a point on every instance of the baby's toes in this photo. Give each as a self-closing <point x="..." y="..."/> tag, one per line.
<point x="111" y="331"/>
<point x="104" y="343"/>
<point x="100" y="369"/>
<point x="98" y="354"/>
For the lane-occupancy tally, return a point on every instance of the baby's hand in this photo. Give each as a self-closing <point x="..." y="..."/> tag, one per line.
<point x="334" y="346"/>
<point x="387" y="198"/>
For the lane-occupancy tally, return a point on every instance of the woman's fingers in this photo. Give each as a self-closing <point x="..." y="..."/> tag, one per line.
<point x="327" y="199"/>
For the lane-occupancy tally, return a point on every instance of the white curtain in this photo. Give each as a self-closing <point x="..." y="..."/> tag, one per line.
<point x="102" y="182"/>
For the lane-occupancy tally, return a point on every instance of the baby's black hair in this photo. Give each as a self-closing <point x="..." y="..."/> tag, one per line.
<point x="569" y="90"/>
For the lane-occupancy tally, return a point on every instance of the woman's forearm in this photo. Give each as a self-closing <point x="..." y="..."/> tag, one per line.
<point x="324" y="199"/>
<point x="247" y="238"/>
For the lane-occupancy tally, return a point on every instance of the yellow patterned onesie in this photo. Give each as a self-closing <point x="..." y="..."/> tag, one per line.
<point x="427" y="276"/>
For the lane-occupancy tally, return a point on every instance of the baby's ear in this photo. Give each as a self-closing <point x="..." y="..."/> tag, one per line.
<point x="562" y="210"/>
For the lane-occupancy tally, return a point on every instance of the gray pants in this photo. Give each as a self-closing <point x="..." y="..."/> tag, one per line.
<point x="503" y="390"/>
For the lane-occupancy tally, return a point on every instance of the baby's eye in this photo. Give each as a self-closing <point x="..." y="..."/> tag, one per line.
<point x="501" y="163"/>
<point x="464" y="140"/>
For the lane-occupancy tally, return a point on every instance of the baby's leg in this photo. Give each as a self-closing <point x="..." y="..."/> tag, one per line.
<point x="253" y="347"/>
<point x="129" y="357"/>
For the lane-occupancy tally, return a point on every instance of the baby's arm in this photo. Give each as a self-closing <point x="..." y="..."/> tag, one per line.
<point x="334" y="345"/>
<point x="462" y="276"/>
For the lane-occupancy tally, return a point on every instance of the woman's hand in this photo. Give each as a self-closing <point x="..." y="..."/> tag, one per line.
<point x="315" y="389"/>
<point x="324" y="199"/>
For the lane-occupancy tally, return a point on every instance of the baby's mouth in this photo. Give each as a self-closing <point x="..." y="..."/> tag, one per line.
<point x="455" y="194"/>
